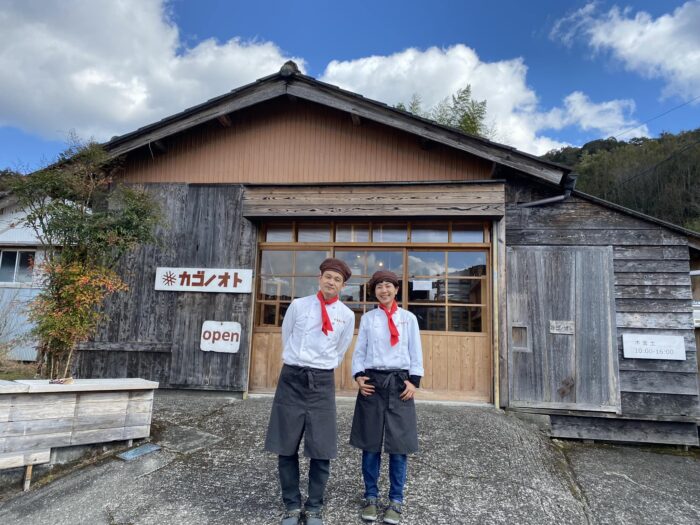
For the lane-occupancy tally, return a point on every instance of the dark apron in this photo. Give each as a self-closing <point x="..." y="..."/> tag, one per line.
<point x="384" y="417"/>
<point x="304" y="404"/>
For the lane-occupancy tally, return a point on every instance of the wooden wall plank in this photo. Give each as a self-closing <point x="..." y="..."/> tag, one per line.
<point x="659" y="382"/>
<point x="635" y="431"/>
<point x="300" y="143"/>
<point x="663" y="404"/>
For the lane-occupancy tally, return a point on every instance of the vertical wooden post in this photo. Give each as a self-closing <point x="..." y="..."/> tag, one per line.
<point x="27" y="477"/>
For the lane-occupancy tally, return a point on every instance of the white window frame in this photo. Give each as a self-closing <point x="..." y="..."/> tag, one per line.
<point x="14" y="280"/>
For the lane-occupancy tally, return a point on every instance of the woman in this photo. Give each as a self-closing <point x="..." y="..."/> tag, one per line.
<point x="387" y="365"/>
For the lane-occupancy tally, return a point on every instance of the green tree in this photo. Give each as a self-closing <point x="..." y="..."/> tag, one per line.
<point x="85" y="227"/>
<point x="459" y="110"/>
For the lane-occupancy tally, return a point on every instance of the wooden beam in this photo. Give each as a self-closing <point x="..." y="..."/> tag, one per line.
<point x="225" y="120"/>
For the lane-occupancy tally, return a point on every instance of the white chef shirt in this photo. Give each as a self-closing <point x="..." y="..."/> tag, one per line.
<point x="373" y="347"/>
<point x="303" y="342"/>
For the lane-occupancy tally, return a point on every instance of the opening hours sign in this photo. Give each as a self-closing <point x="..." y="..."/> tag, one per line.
<point x="220" y="280"/>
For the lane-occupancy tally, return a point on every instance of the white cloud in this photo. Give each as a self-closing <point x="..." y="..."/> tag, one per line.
<point x="667" y="47"/>
<point x="105" y="68"/>
<point x="512" y="105"/>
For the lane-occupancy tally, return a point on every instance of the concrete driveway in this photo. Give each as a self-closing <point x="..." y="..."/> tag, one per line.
<point x="477" y="465"/>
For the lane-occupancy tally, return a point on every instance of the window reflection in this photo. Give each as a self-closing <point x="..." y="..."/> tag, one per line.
<point x="465" y="319"/>
<point x="307" y="263"/>
<point x="314" y="233"/>
<point x="429" y="317"/>
<point x="426" y="263"/>
<point x="466" y="233"/>
<point x="389" y="233"/>
<point x="464" y="291"/>
<point x="352" y="232"/>
<point x="279" y="233"/>
<point x="466" y="264"/>
<point x="392" y="261"/>
<point x="429" y="233"/>
<point x="276" y="262"/>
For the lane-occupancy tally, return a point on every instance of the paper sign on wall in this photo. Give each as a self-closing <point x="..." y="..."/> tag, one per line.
<point x="422" y="286"/>
<point x="220" y="337"/>
<point x="646" y="346"/>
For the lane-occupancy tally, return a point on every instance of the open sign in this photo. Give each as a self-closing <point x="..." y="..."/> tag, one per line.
<point x="220" y="337"/>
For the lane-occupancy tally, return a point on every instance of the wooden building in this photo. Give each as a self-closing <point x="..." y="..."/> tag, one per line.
<point x="523" y="286"/>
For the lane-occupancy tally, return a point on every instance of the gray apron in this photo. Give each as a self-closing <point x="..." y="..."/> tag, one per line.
<point x="304" y="404"/>
<point x="383" y="417"/>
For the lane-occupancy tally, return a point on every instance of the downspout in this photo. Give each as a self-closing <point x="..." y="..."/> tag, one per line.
<point x="569" y="183"/>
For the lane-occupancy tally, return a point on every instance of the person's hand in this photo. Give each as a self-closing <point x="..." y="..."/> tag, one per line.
<point x="409" y="392"/>
<point x="365" y="388"/>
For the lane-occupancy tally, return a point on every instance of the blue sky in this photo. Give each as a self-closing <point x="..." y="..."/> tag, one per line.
<point x="552" y="73"/>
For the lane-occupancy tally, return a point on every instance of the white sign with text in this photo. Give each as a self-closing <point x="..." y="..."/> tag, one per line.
<point x="646" y="346"/>
<point x="222" y="280"/>
<point x="220" y="337"/>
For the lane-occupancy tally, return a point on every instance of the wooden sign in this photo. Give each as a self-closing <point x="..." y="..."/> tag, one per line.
<point x="221" y="280"/>
<point x="647" y="346"/>
<point x="220" y="337"/>
<point x="562" y="327"/>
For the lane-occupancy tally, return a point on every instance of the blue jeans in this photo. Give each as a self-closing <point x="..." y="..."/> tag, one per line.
<point x="371" y="461"/>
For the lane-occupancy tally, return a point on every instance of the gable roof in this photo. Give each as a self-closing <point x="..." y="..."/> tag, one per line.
<point x="290" y="82"/>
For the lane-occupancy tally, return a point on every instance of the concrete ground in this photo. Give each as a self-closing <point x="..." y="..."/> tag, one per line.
<point x="477" y="465"/>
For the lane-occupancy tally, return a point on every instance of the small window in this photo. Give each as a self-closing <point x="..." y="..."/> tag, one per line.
<point x="16" y="266"/>
<point x="279" y="233"/>
<point x="436" y="233"/>
<point x="352" y="232"/>
<point x="314" y="232"/>
<point x="389" y="233"/>
<point x="467" y="233"/>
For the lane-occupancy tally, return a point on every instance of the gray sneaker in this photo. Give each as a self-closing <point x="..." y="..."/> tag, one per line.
<point x="291" y="517"/>
<point x="393" y="513"/>
<point x="369" y="511"/>
<point x="313" y="517"/>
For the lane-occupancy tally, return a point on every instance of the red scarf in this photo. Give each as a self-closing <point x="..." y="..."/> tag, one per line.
<point x="392" y="327"/>
<point x="326" y="326"/>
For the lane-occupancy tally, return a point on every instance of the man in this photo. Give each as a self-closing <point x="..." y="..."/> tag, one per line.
<point x="316" y="332"/>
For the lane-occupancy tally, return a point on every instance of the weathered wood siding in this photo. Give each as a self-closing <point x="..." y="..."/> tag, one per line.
<point x="376" y="200"/>
<point x="154" y="334"/>
<point x="652" y="289"/>
<point x="560" y="305"/>
<point x="285" y="142"/>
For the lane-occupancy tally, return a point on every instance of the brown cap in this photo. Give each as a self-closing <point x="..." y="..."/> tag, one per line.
<point x="336" y="265"/>
<point x="382" y="276"/>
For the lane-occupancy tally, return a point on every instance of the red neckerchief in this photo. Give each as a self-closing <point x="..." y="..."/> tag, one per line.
<point x="392" y="327"/>
<point x="326" y="325"/>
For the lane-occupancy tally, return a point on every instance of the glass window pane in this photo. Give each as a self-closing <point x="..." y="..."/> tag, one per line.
<point x="268" y="314"/>
<point x="7" y="266"/>
<point x="466" y="264"/>
<point x="426" y="290"/>
<point x="429" y="317"/>
<point x="25" y="267"/>
<point x="355" y="260"/>
<point x="279" y="233"/>
<point x="389" y="233"/>
<point x="314" y="233"/>
<point x="429" y="233"/>
<point x="467" y="233"/>
<point x="426" y="263"/>
<point x="354" y="290"/>
<point x="392" y="261"/>
<point x="304" y="286"/>
<point x="275" y="288"/>
<point x="276" y="263"/>
<point x="465" y="319"/>
<point x="464" y="291"/>
<point x="307" y="263"/>
<point x="283" y="311"/>
<point x="352" y="232"/>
